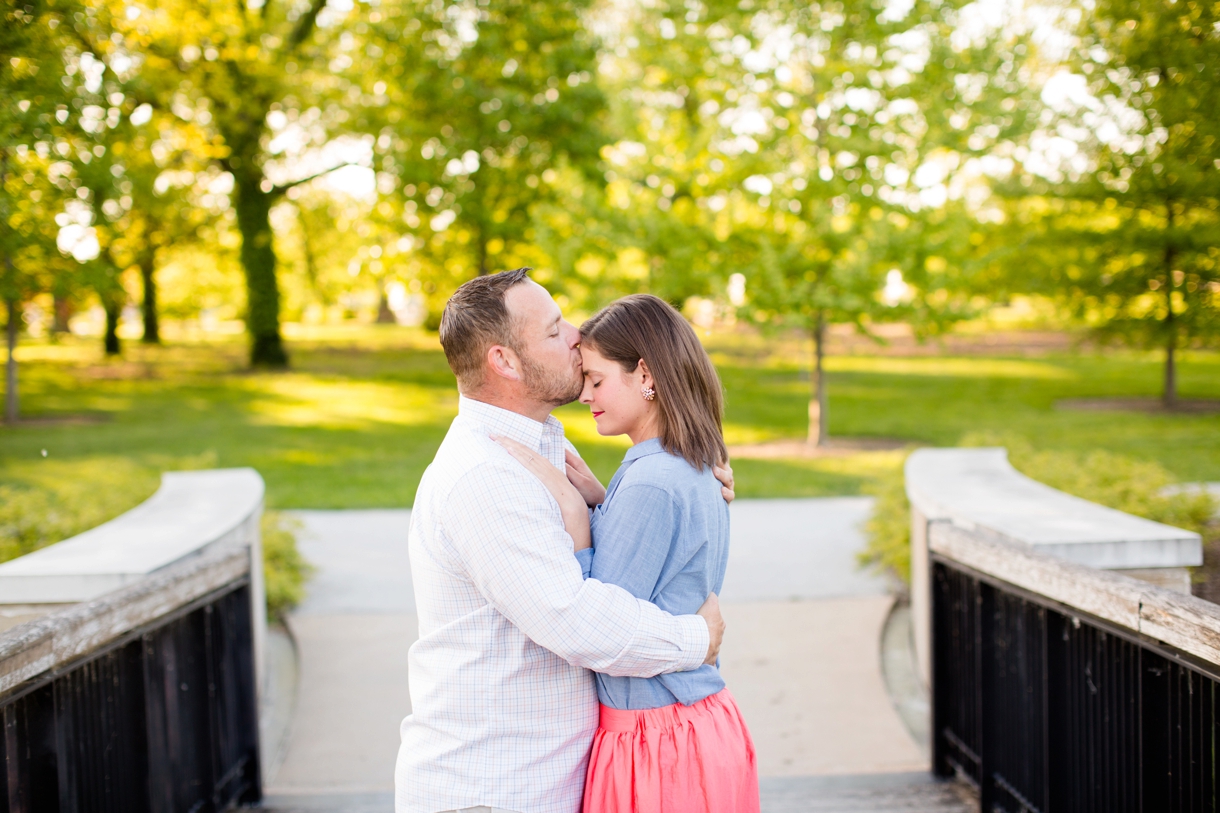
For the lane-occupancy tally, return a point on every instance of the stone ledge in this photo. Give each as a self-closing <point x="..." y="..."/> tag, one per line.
<point x="60" y="637"/>
<point x="977" y="489"/>
<point x="190" y="511"/>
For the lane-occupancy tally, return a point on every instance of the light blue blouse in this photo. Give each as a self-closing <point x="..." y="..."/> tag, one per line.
<point x="662" y="534"/>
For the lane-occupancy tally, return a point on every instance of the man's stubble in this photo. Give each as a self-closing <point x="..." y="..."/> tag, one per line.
<point x="553" y="387"/>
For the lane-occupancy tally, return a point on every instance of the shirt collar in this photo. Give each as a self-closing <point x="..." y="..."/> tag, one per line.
<point x="643" y="449"/>
<point x="500" y="421"/>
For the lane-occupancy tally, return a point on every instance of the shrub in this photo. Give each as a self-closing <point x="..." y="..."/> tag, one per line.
<point x="888" y="530"/>
<point x="1135" y="486"/>
<point x="284" y="569"/>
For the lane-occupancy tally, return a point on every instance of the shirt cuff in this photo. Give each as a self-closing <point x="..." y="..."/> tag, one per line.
<point x="585" y="558"/>
<point x="695" y="640"/>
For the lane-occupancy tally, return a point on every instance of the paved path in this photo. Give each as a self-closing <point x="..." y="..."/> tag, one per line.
<point x="352" y="631"/>
<point x="802" y="656"/>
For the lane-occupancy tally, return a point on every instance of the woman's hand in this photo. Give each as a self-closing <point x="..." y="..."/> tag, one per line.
<point x="571" y="504"/>
<point x="584" y="479"/>
<point x="724" y="473"/>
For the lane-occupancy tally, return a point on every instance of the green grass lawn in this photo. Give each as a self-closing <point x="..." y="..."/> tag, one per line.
<point x="359" y="416"/>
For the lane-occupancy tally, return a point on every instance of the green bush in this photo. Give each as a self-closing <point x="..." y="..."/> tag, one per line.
<point x="284" y="569"/>
<point x="888" y="530"/>
<point x="1125" y="483"/>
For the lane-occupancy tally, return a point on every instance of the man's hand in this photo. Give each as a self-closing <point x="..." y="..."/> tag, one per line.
<point x="724" y="473"/>
<point x="586" y="482"/>
<point x="715" y="627"/>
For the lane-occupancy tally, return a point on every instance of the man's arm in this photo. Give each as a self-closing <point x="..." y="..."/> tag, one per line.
<point x="507" y="530"/>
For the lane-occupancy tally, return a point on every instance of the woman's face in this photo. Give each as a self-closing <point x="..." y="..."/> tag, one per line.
<point x="615" y="397"/>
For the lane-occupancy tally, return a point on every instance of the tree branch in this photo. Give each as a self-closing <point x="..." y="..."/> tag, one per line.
<point x="85" y="42"/>
<point x="280" y="189"/>
<point x="305" y="26"/>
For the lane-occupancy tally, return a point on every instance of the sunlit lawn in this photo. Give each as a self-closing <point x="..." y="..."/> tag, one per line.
<point x="363" y="409"/>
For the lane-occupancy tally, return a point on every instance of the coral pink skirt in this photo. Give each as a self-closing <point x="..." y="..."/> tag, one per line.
<point x="675" y="759"/>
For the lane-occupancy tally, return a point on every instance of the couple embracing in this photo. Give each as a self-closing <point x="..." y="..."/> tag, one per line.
<point x="569" y="633"/>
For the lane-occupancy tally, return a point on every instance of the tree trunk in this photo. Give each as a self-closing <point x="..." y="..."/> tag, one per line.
<point x="148" y="268"/>
<point x="11" y="408"/>
<point x="114" y="309"/>
<point x="385" y="316"/>
<point x="63" y="312"/>
<point x="483" y="269"/>
<point x="10" y="369"/>
<point x="819" y="407"/>
<point x="1169" y="396"/>
<point x="258" y="261"/>
<point x="311" y="261"/>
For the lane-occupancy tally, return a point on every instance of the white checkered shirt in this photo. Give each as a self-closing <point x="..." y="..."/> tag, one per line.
<point x="504" y="707"/>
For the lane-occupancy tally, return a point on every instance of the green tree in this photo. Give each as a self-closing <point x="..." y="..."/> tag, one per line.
<point x="821" y="151"/>
<point x="30" y="72"/>
<point x="1127" y="231"/>
<point x="226" y="67"/>
<point x="482" y="109"/>
<point x="123" y="158"/>
<point x="671" y="74"/>
<point x="157" y="161"/>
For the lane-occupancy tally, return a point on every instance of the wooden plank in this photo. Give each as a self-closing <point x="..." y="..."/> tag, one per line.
<point x="1177" y="620"/>
<point x="1101" y="593"/>
<point x="1184" y="622"/>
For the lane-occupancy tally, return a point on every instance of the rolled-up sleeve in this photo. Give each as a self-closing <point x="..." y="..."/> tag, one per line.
<point x="584" y="558"/>
<point x="517" y="554"/>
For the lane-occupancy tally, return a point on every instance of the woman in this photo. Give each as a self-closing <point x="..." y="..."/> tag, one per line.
<point x="675" y="743"/>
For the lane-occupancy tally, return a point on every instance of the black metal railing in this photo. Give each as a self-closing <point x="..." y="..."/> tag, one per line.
<point x="162" y="720"/>
<point x="1044" y="708"/>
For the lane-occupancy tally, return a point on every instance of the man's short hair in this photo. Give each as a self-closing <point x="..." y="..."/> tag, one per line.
<point x="476" y="318"/>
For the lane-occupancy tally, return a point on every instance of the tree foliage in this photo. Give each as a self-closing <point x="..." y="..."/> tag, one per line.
<point x="1126" y="231"/>
<point x="841" y="162"/>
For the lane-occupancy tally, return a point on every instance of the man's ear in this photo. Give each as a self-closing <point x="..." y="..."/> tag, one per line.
<point x="504" y="362"/>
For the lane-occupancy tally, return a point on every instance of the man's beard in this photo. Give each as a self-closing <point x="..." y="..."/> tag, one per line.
<point x="554" y="387"/>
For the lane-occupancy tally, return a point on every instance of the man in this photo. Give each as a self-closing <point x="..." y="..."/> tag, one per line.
<point x="504" y="705"/>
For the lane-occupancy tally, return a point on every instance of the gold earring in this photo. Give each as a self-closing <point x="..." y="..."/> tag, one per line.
<point x="649" y="393"/>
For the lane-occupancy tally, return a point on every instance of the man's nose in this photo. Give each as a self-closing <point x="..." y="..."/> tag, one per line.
<point x="573" y="334"/>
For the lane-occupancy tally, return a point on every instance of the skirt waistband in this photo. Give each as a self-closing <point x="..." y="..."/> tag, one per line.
<point x="624" y="720"/>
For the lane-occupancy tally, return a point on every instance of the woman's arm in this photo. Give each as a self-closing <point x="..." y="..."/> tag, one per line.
<point x="571" y="504"/>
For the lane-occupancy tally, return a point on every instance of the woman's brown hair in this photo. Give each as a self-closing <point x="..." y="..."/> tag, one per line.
<point x="689" y="397"/>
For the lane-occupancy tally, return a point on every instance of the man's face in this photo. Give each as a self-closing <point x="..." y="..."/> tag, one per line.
<point x="549" y="347"/>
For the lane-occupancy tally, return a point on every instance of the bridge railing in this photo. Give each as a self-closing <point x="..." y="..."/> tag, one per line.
<point x="133" y="685"/>
<point x="1057" y="685"/>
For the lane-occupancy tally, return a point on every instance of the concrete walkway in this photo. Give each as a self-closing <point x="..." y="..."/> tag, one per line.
<point x="352" y="631"/>
<point x="802" y="655"/>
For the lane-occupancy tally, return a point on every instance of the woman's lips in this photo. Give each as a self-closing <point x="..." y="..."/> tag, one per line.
<point x="597" y="414"/>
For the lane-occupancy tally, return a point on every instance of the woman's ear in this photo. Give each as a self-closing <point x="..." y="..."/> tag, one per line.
<point x="642" y="369"/>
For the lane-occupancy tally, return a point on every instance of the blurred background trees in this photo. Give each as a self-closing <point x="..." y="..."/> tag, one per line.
<point x="1123" y="230"/>
<point x="789" y="165"/>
